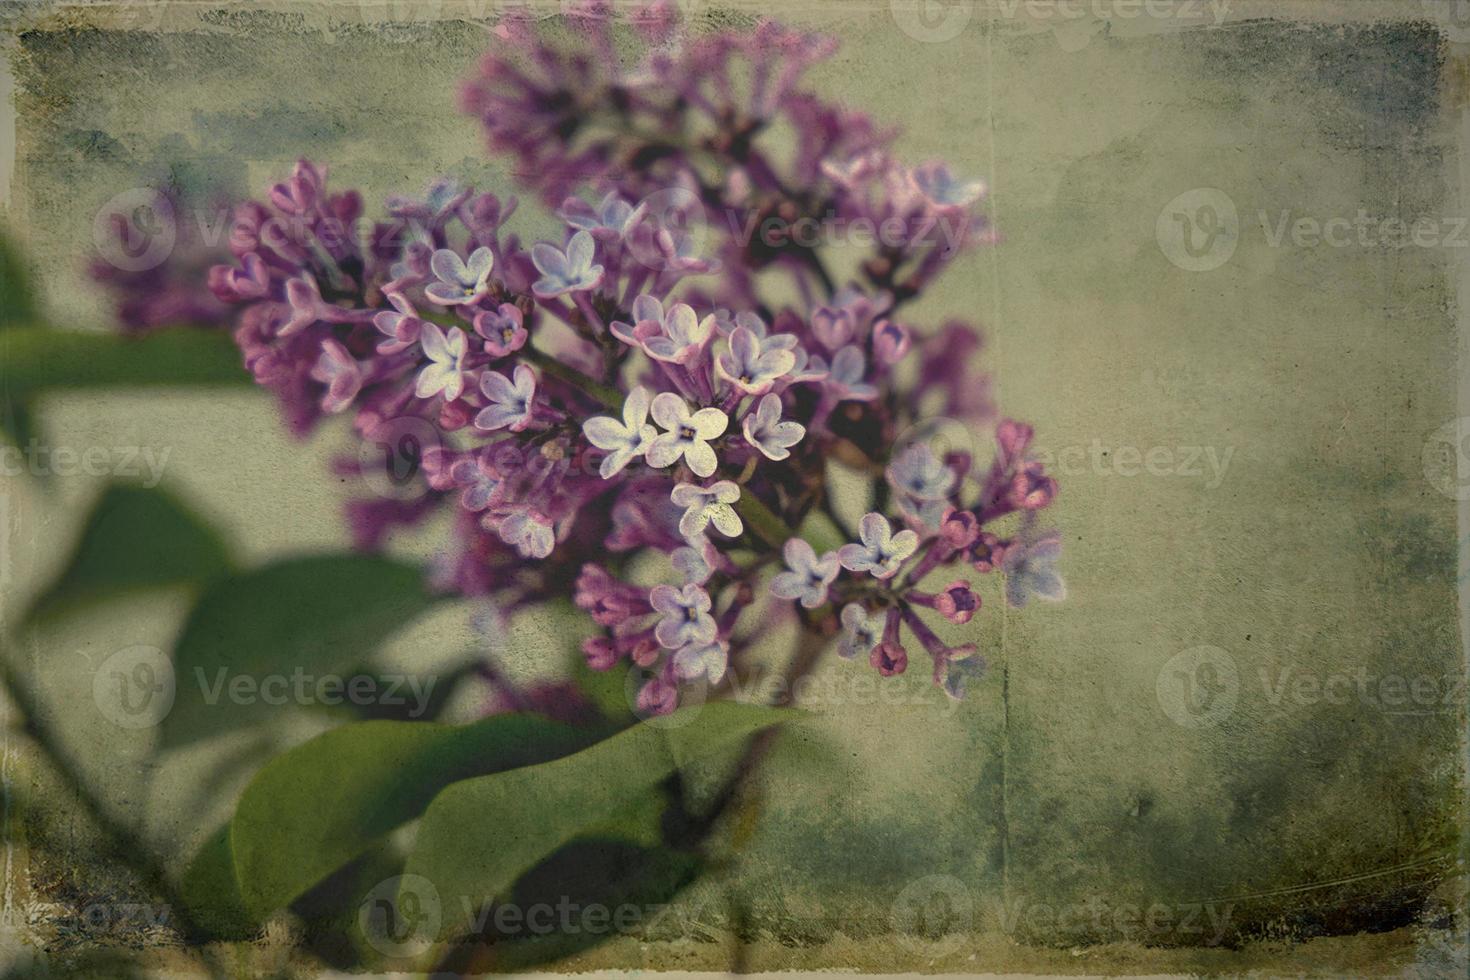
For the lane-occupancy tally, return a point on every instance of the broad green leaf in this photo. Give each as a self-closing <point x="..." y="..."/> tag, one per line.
<point x="269" y="634"/>
<point x="319" y="805"/>
<point x="134" y="539"/>
<point x="34" y="359"/>
<point x="212" y="892"/>
<point x="480" y="835"/>
<point x="17" y="299"/>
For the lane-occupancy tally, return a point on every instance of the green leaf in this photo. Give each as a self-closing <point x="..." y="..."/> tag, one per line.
<point x="212" y="892"/>
<point x="34" y="359"/>
<point x="319" y="805"/>
<point x="134" y="539"/>
<point x="481" y="835"/>
<point x="284" y="626"/>
<point x="17" y="299"/>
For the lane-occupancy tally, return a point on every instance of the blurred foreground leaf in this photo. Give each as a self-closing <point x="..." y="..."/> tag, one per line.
<point x="256" y="637"/>
<point x="36" y="358"/>
<point x="134" y="539"/>
<point x="481" y="835"/>
<point x="321" y="804"/>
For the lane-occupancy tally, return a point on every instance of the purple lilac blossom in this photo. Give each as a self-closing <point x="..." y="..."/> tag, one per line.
<point x="630" y="388"/>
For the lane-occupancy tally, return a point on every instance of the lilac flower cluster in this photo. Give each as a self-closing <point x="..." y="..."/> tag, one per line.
<point x="621" y="414"/>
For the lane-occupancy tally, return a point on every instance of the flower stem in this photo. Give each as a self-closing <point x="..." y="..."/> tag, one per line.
<point x="121" y="839"/>
<point x="605" y="394"/>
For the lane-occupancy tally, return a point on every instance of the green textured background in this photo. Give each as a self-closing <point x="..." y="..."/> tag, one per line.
<point x="1073" y="778"/>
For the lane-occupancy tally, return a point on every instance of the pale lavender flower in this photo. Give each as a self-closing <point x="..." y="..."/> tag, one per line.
<point x="860" y="632"/>
<point x="942" y="189"/>
<point x="401" y="325"/>
<point x="478" y="481"/>
<point x="845" y="377"/>
<point x="610" y="220"/>
<point x="749" y="367"/>
<point x="460" y="281"/>
<point x="566" y="272"/>
<point x="1030" y="570"/>
<point x="503" y="329"/>
<point x="686" y="617"/>
<point x="881" y="552"/>
<point x="704" y="506"/>
<point x="677" y="336"/>
<point x="340" y="372"/>
<point x="445" y="371"/>
<point x="809" y="576"/>
<point x="765" y="431"/>
<point x="510" y="403"/>
<point x="694" y="562"/>
<point x="708" y="660"/>
<point x="529" y="532"/>
<point x="688" y="434"/>
<point x="623" y="441"/>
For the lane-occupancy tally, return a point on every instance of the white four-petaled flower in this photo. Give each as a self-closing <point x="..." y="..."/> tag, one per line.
<point x="704" y="506"/>
<point x="445" y="370"/>
<point x="686" y="618"/>
<point x="460" y="281"/>
<point x="688" y="434"/>
<point x="566" y="272"/>
<point x="510" y="403"/>
<point x="881" y="552"/>
<point x="809" y="576"/>
<point x="749" y="365"/>
<point x="695" y="660"/>
<point x="765" y="431"/>
<point x="623" y="440"/>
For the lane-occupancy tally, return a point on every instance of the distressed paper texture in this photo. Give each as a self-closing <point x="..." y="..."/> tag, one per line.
<point x="1244" y="727"/>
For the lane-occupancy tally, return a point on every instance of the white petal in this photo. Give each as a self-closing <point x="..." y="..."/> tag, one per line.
<point x="701" y="458"/>
<point x="669" y="410"/>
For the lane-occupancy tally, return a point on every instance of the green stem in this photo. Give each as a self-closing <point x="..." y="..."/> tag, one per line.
<point x="766" y="525"/>
<point x="121" y="839"/>
<point x="609" y="396"/>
